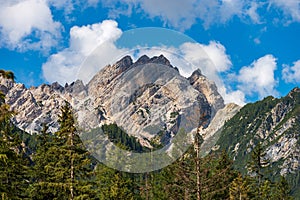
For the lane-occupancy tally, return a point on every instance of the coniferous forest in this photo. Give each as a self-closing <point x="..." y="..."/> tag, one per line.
<point x="57" y="166"/>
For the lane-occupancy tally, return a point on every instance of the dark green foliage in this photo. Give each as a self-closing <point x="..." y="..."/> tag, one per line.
<point x="62" y="166"/>
<point x="118" y="136"/>
<point x="7" y="74"/>
<point x="113" y="184"/>
<point x="216" y="174"/>
<point x="14" y="170"/>
<point x="241" y="132"/>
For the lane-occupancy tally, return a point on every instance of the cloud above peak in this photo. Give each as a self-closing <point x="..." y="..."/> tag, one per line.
<point x="65" y="65"/>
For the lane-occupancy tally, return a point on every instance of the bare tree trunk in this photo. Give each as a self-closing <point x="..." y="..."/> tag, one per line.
<point x="197" y="148"/>
<point x="72" y="167"/>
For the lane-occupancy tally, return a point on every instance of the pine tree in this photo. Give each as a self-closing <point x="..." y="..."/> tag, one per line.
<point x="63" y="165"/>
<point x="13" y="163"/>
<point x="282" y="190"/>
<point x="113" y="184"/>
<point x="266" y="190"/>
<point x="256" y="167"/>
<point x="239" y="189"/>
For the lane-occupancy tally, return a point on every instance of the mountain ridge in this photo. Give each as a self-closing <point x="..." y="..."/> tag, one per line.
<point x="161" y="92"/>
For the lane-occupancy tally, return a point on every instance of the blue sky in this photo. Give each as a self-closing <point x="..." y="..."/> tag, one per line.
<point x="253" y="45"/>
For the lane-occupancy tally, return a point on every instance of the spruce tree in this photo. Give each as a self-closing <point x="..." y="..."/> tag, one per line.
<point x="256" y="169"/>
<point x="282" y="190"/>
<point x="13" y="161"/>
<point x="64" y="167"/>
<point x="239" y="188"/>
<point x="113" y="184"/>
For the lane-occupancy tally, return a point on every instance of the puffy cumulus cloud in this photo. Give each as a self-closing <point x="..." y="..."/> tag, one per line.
<point x="237" y="97"/>
<point x="95" y="41"/>
<point x="291" y="74"/>
<point x="290" y="8"/>
<point x="259" y="77"/>
<point x="28" y="24"/>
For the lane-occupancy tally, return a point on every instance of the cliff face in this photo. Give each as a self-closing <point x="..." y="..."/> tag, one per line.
<point x="143" y="97"/>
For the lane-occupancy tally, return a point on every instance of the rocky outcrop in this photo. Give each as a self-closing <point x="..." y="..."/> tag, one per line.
<point x="209" y="89"/>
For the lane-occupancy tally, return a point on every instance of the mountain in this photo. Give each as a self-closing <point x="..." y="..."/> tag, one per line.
<point x="275" y="123"/>
<point x="150" y="101"/>
<point x="144" y="97"/>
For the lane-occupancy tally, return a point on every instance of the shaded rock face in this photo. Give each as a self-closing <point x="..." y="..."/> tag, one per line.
<point x="144" y="98"/>
<point x="208" y="89"/>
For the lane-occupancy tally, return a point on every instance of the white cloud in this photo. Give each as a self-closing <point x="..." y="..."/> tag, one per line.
<point x="65" y="66"/>
<point x="291" y="74"/>
<point x="290" y="8"/>
<point x="28" y="24"/>
<point x="211" y="59"/>
<point x="252" y="12"/>
<point x="237" y="97"/>
<point x="183" y="14"/>
<point x="180" y="14"/>
<point x="259" y="77"/>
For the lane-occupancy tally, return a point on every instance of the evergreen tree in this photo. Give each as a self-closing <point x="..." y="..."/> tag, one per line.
<point x="256" y="167"/>
<point x="62" y="164"/>
<point x="239" y="189"/>
<point x="282" y="190"/>
<point x="113" y="184"/>
<point x="13" y="162"/>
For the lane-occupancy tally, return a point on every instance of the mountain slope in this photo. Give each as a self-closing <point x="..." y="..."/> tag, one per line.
<point x="275" y="123"/>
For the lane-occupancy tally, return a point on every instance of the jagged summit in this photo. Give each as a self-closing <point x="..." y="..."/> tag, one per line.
<point x="195" y="76"/>
<point x="144" y="59"/>
<point x="143" y="97"/>
<point x="125" y="62"/>
<point x="208" y="88"/>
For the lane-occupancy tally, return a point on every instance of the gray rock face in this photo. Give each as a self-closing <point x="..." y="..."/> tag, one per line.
<point x="144" y="98"/>
<point x="208" y="89"/>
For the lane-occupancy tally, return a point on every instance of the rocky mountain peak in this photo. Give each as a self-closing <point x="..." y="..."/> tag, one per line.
<point x="160" y="60"/>
<point x="124" y="63"/>
<point x="294" y="92"/>
<point x="208" y="88"/>
<point x="142" y="60"/>
<point x="195" y="76"/>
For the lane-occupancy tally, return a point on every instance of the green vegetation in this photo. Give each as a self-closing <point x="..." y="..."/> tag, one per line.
<point x="122" y="139"/>
<point x="240" y="139"/>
